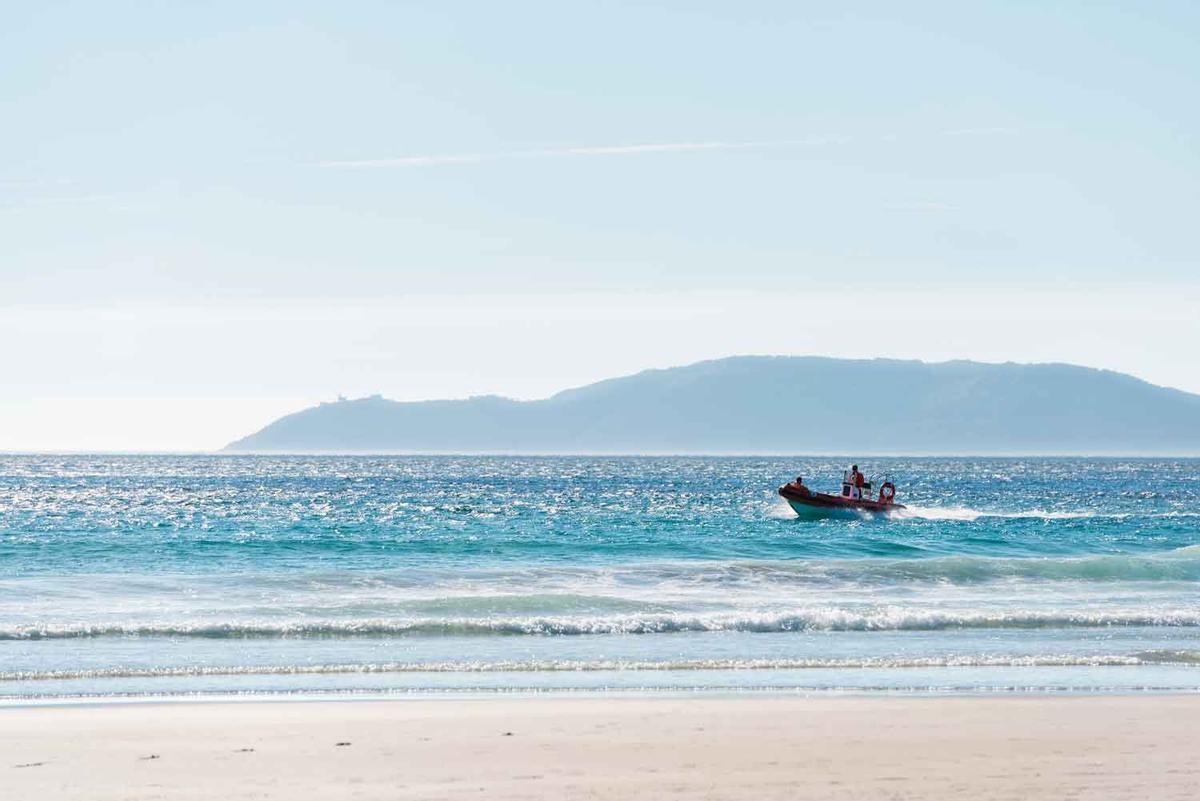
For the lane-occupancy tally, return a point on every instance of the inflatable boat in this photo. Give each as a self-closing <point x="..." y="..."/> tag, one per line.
<point x="853" y="502"/>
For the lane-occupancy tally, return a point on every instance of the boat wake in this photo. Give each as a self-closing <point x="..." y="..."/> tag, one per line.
<point x="964" y="514"/>
<point x="952" y="513"/>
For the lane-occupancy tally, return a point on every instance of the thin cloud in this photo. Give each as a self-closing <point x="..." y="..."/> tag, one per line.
<point x="437" y="160"/>
<point x="415" y="161"/>
<point x="434" y="160"/>
<point x="920" y="205"/>
<point x="979" y="131"/>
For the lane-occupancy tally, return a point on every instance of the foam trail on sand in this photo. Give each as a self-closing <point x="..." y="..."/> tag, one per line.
<point x="532" y="666"/>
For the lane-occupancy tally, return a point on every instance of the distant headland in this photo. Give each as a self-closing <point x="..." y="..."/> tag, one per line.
<point x="776" y="404"/>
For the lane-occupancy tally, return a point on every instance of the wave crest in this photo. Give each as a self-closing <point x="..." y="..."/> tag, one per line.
<point x="819" y="619"/>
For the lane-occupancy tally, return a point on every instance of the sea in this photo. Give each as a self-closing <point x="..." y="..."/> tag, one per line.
<point x="214" y="576"/>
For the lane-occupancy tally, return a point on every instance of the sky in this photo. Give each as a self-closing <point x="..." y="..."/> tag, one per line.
<point x="216" y="213"/>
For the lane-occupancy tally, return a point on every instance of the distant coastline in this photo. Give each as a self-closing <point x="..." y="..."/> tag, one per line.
<point x="775" y="405"/>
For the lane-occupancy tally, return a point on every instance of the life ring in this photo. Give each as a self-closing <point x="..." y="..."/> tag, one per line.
<point x="887" y="492"/>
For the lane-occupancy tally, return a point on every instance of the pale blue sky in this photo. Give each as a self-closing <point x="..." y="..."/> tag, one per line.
<point x="215" y="213"/>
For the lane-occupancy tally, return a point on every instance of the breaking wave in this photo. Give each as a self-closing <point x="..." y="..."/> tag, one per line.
<point x="818" y="619"/>
<point x="1181" y="564"/>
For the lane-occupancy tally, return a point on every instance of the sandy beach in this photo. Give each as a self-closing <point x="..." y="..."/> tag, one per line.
<point x="1025" y="747"/>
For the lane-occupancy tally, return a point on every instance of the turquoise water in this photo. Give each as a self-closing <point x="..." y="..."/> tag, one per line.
<point x="145" y="575"/>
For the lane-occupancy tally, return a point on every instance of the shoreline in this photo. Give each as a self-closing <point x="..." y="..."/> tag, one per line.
<point x="564" y="693"/>
<point x="749" y="747"/>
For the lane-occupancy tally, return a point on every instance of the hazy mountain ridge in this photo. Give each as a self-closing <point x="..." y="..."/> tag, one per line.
<point x="777" y="404"/>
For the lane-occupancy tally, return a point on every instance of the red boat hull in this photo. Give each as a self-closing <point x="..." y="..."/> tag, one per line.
<point x="805" y="502"/>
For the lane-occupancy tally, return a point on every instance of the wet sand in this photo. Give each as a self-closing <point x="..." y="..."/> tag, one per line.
<point x="596" y="747"/>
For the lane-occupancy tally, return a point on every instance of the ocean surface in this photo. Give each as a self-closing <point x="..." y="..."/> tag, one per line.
<point x="215" y="575"/>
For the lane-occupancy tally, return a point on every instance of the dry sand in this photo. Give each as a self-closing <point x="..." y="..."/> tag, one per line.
<point x="760" y="747"/>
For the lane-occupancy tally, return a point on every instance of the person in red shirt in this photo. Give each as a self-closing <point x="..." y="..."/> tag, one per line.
<point x="855" y="482"/>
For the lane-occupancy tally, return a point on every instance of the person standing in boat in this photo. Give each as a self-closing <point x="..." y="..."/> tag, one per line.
<point x="854" y="483"/>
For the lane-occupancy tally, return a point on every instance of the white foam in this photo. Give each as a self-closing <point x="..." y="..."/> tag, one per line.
<point x="937" y="513"/>
<point x="1179" y="657"/>
<point x="808" y="618"/>
<point x="968" y="515"/>
<point x="780" y="510"/>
